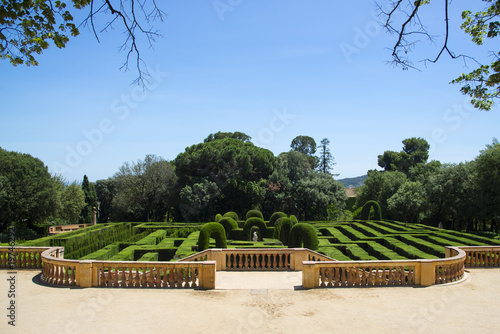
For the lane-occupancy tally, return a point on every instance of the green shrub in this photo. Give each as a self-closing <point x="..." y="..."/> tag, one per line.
<point x="229" y="224"/>
<point x="294" y="219"/>
<point x="254" y="222"/>
<point x="303" y="234"/>
<point x="214" y="230"/>
<point x="232" y="214"/>
<point x="275" y="216"/>
<point x="254" y="213"/>
<point x="284" y="227"/>
<point x="150" y="256"/>
<point x="365" y="212"/>
<point x="218" y="217"/>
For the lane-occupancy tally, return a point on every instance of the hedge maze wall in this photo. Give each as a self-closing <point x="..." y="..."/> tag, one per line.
<point x="344" y="241"/>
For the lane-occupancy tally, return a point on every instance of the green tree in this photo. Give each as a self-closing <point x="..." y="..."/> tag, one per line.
<point x="481" y="84"/>
<point x="408" y="203"/>
<point x="379" y="187"/>
<point x="144" y="189"/>
<point x="28" y="193"/>
<point x="235" y="135"/>
<point x="306" y="145"/>
<point x="72" y="202"/>
<point x="326" y="160"/>
<point x="488" y="181"/>
<point x="199" y="202"/>
<point x="105" y="191"/>
<point x="238" y="168"/>
<point x="90" y="201"/>
<point x="27" y="28"/>
<point x="415" y="151"/>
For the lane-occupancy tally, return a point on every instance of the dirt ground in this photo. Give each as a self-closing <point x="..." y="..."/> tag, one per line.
<point x="254" y="303"/>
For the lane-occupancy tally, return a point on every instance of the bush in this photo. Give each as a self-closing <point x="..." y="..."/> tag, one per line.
<point x="365" y="212"/>
<point x="305" y="234"/>
<point x="254" y="222"/>
<point x="284" y="226"/>
<point x="218" y="217"/>
<point x="254" y="214"/>
<point x="232" y="214"/>
<point x="229" y="224"/>
<point x="294" y="219"/>
<point x="214" y="230"/>
<point x="275" y="216"/>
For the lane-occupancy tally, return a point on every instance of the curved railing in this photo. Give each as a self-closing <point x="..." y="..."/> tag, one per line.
<point x="384" y="273"/>
<point x="21" y="257"/>
<point x="59" y="271"/>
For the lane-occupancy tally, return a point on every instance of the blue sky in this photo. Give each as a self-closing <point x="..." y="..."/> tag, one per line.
<point x="274" y="70"/>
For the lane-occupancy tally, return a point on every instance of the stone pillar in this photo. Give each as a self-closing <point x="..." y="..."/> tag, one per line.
<point x="94" y="216"/>
<point x="207" y="275"/>
<point x="216" y="255"/>
<point x="309" y="278"/>
<point x="427" y="273"/>
<point x="84" y="274"/>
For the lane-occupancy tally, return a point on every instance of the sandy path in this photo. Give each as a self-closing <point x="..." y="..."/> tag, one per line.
<point x="472" y="306"/>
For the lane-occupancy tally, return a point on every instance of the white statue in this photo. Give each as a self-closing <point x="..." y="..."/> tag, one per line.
<point x="255" y="237"/>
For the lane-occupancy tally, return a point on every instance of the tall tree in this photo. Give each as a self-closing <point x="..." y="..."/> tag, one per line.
<point x="145" y="188"/>
<point x="105" y="191"/>
<point x="28" y="193"/>
<point x="235" y="135"/>
<point x="72" y="202"/>
<point x="326" y="160"/>
<point x="408" y="22"/>
<point x="415" y="151"/>
<point x="90" y="201"/>
<point x="306" y="145"/>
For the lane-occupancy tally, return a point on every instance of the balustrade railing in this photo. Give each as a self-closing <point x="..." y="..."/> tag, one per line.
<point x="21" y="257"/>
<point x="482" y="256"/>
<point x="385" y="273"/>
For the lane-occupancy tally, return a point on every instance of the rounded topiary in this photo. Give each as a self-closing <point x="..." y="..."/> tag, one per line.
<point x="232" y="214"/>
<point x="294" y="219"/>
<point x="218" y="217"/>
<point x="365" y="212"/>
<point x="229" y="224"/>
<point x="275" y="216"/>
<point x="303" y="235"/>
<point x="254" y="221"/>
<point x="212" y="230"/>
<point x="285" y="225"/>
<point x="254" y="213"/>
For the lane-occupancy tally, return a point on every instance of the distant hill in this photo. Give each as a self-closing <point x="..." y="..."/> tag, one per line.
<point x="353" y="181"/>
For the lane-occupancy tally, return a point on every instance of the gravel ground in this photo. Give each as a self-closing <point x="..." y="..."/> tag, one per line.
<point x="254" y="303"/>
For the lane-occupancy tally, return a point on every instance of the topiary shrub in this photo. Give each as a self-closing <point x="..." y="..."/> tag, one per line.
<point x="218" y="217"/>
<point x="284" y="226"/>
<point x="212" y="230"/>
<point x="294" y="219"/>
<point x="275" y="216"/>
<point x="254" y="213"/>
<point x="303" y="235"/>
<point x="229" y="224"/>
<point x="254" y="221"/>
<point x="365" y="212"/>
<point x="232" y="214"/>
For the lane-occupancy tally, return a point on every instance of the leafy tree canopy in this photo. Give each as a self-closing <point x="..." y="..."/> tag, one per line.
<point x="415" y="151"/>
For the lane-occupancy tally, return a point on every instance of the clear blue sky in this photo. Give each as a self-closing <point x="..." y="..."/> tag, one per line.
<point x="272" y="69"/>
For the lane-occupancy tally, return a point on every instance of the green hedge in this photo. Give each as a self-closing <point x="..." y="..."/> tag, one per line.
<point x="275" y="217"/>
<point x="232" y="214"/>
<point x="254" y="214"/>
<point x="365" y="212"/>
<point x="104" y="253"/>
<point x="212" y="230"/>
<point x="283" y="228"/>
<point x="153" y="238"/>
<point x="251" y="222"/>
<point x="150" y="256"/>
<point x="229" y="224"/>
<point x="303" y="234"/>
<point x="218" y="217"/>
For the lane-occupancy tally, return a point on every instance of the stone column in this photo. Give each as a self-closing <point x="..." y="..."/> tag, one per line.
<point x="207" y="275"/>
<point x="84" y="274"/>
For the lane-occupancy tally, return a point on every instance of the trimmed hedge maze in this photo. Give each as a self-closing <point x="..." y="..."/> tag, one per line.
<point x="384" y="240"/>
<point x="344" y="241"/>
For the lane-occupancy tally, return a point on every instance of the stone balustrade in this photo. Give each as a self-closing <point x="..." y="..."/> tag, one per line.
<point x="258" y="259"/>
<point x="482" y="256"/>
<point x="57" y="229"/>
<point x="21" y="257"/>
<point x="385" y="273"/>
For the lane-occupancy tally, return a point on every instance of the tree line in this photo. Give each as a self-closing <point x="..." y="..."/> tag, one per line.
<point x="456" y="196"/>
<point x="226" y="172"/>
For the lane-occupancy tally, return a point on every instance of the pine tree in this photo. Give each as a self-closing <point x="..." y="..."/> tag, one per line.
<point x="326" y="160"/>
<point x="90" y="201"/>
